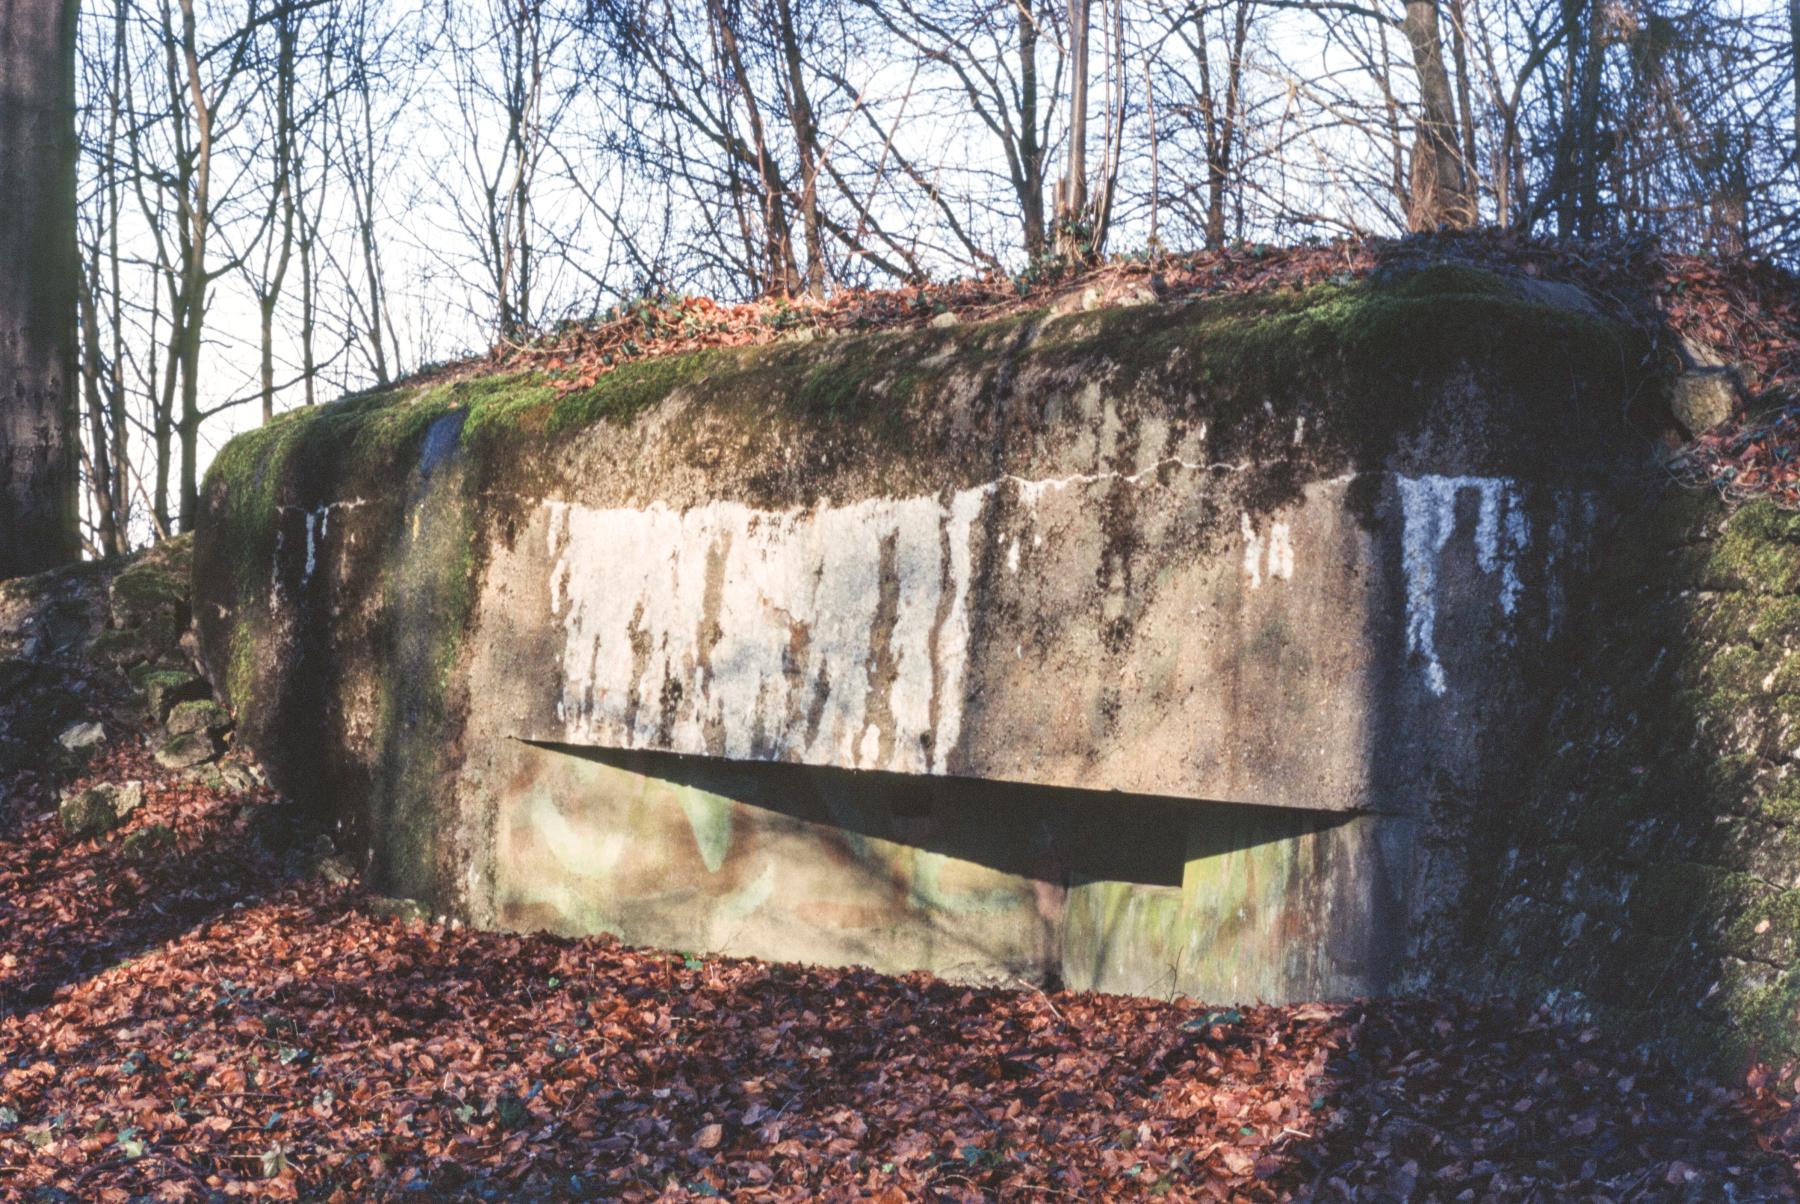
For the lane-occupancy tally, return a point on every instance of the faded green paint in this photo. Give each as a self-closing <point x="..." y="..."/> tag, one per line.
<point x="848" y="868"/>
<point x="1250" y="920"/>
<point x="936" y="887"/>
<point x="709" y="815"/>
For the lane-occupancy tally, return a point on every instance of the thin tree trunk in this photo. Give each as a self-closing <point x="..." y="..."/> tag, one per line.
<point x="101" y="488"/>
<point x="364" y="190"/>
<point x="199" y="220"/>
<point x="1439" y="181"/>
<point x="121" y="421"/>
<point x="783" y="278"/>
<point x="39" y="271"/>
<point x="806" y="137"/>
<point x="1071" y="193"/>
<point x="1031" y="152"/>
<point x="1465" y="104"/>
<point x="1221" y="122"/>
<point x="269" y="295"/>
<point x="1587" y="126"/>
<point x="309" y="368"/>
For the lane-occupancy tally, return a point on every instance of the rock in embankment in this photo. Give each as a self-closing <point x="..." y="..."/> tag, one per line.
<point x="187" y="751"/>
<point x="97" y="810"/>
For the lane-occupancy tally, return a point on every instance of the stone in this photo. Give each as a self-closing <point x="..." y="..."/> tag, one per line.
<point x="1697" y="353"/>
<point x="186" y="752"/>
<point x="277" y="825"/>
<point x="82" y="736"/>
<point x="53" y="611"/>
<point x="225" y="777"/>
<point x="197" y="715"/>
<point x="237" y="779"/>
<point x="152" y="592"/>
<point x="1702" y="398"/>
<point x="1556" y="294"/>
<point x="334" y="869"/>
<point x="164" y="688"/>
<point x="52" y="709"/>
<point x="145" y="842"/>
<point x="97" y="810"/>
<point x="407" y="911"/>
<point x="121" y="649"/>
<point x="1078" y="300"/>
<point x="945" y="320"/>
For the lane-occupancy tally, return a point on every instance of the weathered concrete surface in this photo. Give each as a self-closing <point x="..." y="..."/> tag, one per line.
<point x="1117" y="892"/>
<point x="834" y="652"/>
<point x="1104" y="629"/>
<point x="1649" y="877"/>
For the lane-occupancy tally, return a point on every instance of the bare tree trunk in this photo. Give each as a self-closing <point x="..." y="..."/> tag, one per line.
<point x="199" y="224"/>
<point x="281" y="203"/>
<point x="1465" y="105"/>
<point x="1030" y="181"/>
<point x="101" y="487"/>
<point x="783" y="276"/>
<point x="1117" y="91"/>
<point x="309" y="356"/>
<point x="1587" y="125"/>
<point x="1071" y="192"/>
<point x="1221" y="115"/>
<point x="121" y="419"/>
<point x="1439" y="182"/>
<point x="363" y="191"/>
<point x="39" y="270"/>
<point x="806" y="138"/>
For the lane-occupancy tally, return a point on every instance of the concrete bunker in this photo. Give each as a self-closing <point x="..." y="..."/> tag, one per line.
<point x="1029" y="651"/>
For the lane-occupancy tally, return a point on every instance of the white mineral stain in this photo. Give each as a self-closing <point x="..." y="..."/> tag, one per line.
<point x="778" y="663"/>
<point x="1281" y="551"/>
<point x="1269" y="557"/>
<point x="312" y="545"/>
<point x="788" y="645"/>
<point x="1428" y="506"/>
<point x="317" y="520"/>
<point x="1253" y="551"/>
<point x="1502" y="535"/>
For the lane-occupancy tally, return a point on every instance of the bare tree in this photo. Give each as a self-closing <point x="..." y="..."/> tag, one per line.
<point x="1213" y="99"/>
<point x="995" y="55"/>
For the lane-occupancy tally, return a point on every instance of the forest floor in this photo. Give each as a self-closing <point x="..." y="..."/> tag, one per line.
<point x="189" y="1010"/>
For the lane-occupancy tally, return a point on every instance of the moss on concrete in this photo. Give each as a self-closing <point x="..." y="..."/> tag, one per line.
<point x="1650" y="873"/>
<point x="1375" y="348"/>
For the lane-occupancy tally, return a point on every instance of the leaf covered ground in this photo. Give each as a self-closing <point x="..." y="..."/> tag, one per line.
<point x="186" y="1013"/>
